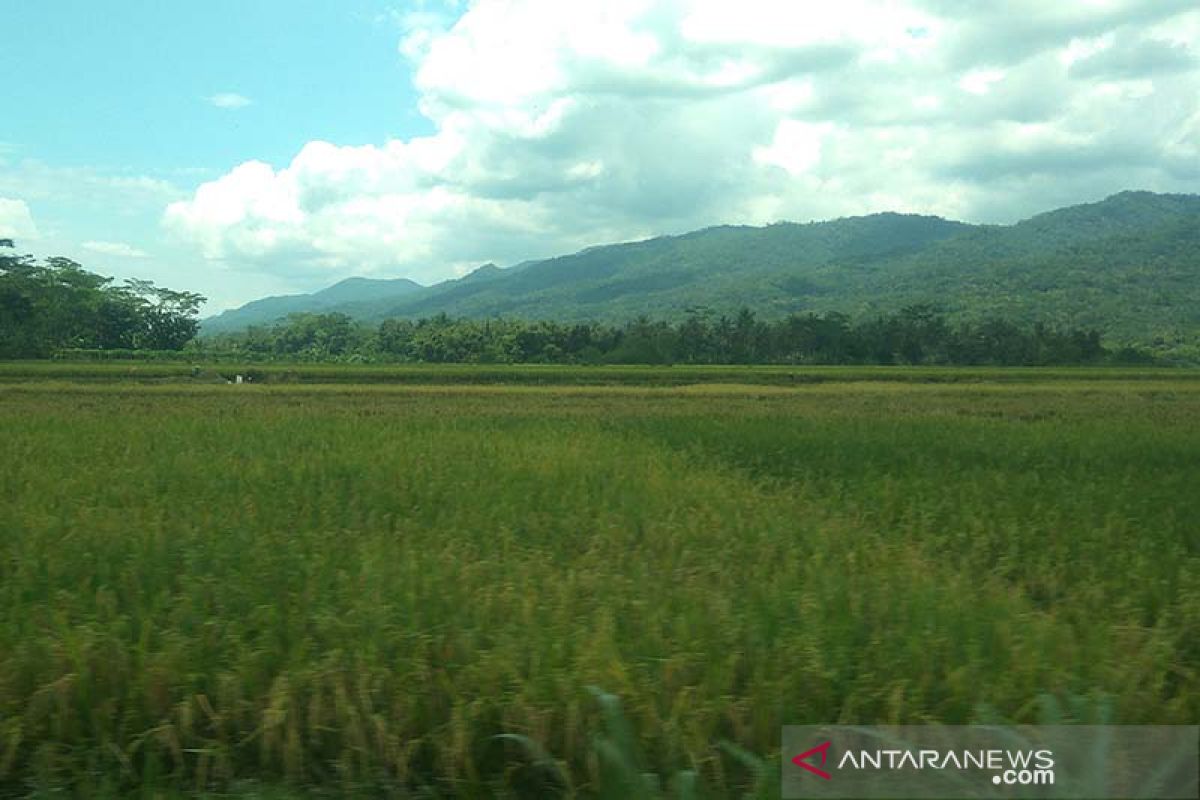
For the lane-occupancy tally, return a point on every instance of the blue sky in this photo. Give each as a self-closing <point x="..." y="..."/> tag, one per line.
<point x="113" y="109"/>
<point x="263" y="147"/>
<point x="123" y="84"/>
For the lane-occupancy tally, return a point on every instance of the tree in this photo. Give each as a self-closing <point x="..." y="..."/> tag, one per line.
<point x="168" y="317"/>
<point x="58" y="304"/>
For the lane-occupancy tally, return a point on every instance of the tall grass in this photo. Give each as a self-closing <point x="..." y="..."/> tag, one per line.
<point x="409" y="592"/>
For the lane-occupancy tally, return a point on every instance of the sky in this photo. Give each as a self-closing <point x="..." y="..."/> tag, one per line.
<point x="240" y="148"/>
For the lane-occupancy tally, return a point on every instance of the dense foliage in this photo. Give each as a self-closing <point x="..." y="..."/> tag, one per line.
<point x="915" y="335"/>
<point x="58" y="307"/>
<point x="56" y="304"/>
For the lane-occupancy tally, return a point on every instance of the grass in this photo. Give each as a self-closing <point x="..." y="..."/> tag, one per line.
<point x="398" y="590"/>
<point x="559" y="375"/>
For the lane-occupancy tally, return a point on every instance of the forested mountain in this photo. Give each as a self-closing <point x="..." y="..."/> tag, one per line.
<point x="1128" y="265"/>
<point x="341" y="296"/>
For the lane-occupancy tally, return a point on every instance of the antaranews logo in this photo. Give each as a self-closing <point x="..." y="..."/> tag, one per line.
<point x="821" y="750"/>
<point x="1010" y="767"/>
<point x="991" y="762"/>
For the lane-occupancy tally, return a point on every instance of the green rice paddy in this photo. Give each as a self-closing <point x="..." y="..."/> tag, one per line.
<point x="418" y="582"/>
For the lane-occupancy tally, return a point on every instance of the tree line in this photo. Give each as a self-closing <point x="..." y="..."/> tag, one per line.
<point x="914" y="335"/>
<point x="56" y="306"/>
<point x="51" y="305"/>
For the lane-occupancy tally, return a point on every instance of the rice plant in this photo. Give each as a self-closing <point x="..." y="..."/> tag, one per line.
<point x="407" y="590"/>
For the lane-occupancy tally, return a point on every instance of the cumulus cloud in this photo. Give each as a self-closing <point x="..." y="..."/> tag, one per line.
<point x="230" y="100"/>
<point x="561" y="125"/>
<point x="15" y="220"/>
<point x="119" y="249"/>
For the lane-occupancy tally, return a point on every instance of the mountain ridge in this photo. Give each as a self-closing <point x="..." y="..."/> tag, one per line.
<point x="1108" y="264"/>
<point x="346" y="292"/>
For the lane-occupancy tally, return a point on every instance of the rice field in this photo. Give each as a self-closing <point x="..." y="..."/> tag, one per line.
<point x="406" y="582"/>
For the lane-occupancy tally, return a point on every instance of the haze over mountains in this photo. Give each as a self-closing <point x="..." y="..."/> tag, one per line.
<point x="1128" y="265"/>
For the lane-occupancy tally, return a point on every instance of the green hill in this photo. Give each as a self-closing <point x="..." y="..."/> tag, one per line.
<point x="342" y="296"/>
<point x="1129" y="265"/>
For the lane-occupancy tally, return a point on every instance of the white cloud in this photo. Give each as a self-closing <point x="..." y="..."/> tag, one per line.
<point x="979" y="81"/>
<point x="230" y="100"/>
<point x="559" y="125"/>
<point x="15" y="220"/>
<point x="796" y="147"/>
<point x="1079" y="49"/>
<point x="119" y="249"/>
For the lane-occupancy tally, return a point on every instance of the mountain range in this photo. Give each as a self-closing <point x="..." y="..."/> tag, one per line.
<point x="1128" y="265"/>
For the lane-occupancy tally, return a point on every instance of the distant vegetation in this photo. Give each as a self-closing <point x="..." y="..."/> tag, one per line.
<point x="57" y="308"/>
<point x="915" y="335"/>
<point x="55" y="304"/>
<point x="345" y="296"/>
<point x="1111" y="282"/>
<point x="1128" y="266"/>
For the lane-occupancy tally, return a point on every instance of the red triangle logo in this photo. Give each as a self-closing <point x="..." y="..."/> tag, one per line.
<point x="802" y="759"/>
